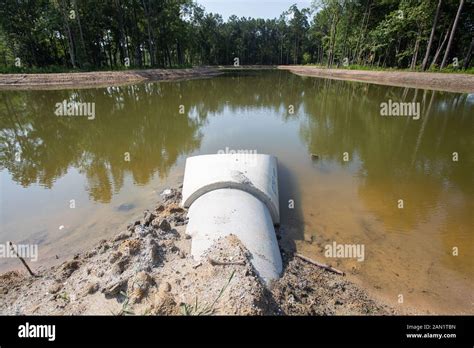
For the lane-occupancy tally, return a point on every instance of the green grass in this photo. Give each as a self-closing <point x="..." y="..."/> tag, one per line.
<point x="204" y="309"/>
<point x="125" y="310"/>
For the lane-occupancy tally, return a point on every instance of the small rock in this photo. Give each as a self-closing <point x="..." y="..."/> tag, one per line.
<point x="143" y="231"/>
<point x="308" y="238"/>
<point x="182" y="254"/>
<point x="117" y="270"/>
<point x="164" y="287"/>
<point x="139" y="286"/>
<point x="55" y="288"/>
<point x="175" y="219"/>
<point x="153" y="252"/>
<point x="122" y="236"/>
<point x="148" y="217"/>
<point x="103" y="248"/>
<point x="131" y="227"/>
<point x="169" y="235"/>
<point x="90" y="254"/>
<point x="176" y="209"/>
<point x="160" y="208"/>
<point x="156" y="222"/>
<point x="166" y="192"/>
<point x="120" y="266"/>
<point x="164" y="225"/>
<point x="68" y="268"/>
<point x="129" y="247"/>
<point x="164" y="304"/>
<point x="115" y="256"/>
<point x="92" y="288"/>
<point x="114" y="288"/>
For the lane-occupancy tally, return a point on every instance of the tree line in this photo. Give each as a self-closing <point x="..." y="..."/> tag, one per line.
<point x="120" y="34"/>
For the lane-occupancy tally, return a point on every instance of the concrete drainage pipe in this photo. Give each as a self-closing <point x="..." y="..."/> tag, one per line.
<point x="234" y="194"/>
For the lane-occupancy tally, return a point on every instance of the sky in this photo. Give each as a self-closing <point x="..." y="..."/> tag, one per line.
<point x="266" y="9"/>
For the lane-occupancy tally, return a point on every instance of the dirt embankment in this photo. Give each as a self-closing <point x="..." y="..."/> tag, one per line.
<point x="148" y="270"/>
<point x="460" y="83"/>
<point x="100" y="78"/>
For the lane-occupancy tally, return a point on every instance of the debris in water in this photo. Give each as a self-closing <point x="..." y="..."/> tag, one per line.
<point x="125" y="207"/>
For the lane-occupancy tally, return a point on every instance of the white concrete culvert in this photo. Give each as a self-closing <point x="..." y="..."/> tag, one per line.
<point x="234" y="194"/>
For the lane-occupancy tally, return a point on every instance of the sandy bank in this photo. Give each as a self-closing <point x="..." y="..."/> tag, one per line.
<point x="147" y="270"/>
<point x="460" y="83"/>
<point x="100" y="78"/>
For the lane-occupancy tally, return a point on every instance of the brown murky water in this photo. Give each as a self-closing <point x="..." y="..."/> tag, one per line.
<point x="349" y="194"/>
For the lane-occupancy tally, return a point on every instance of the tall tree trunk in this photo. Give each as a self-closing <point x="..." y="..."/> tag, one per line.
<point x="121" y="40"/>
<point x="138" y="52"/>
<point x="81" y="34"/>
<point x="455" y="24"/>
<point x="415" y="53"/>
<point x="330" y="43"/>
<point x="335" y="20"/>
<point x="430" y="41"/>
<point x="361" y="29"/>
<point x="151" y="46"/>
<point x="67" y="28"/>
<point x="295" y="54"/>
<point x="363" y="33"/>
<point x="280" y="58"/>
<point x="179" y="53"/>
<point x="440" y="48"/>
<point x="467" y="60"/>
<point x="168" y="54"/>
<point x="346" y="32"/>
<point x="335" y="37"/>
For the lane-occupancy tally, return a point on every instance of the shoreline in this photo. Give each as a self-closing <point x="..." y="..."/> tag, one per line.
<point x="455" y="83"/>
<point x="148" y="270"/>
<point x="99" y="79"/>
